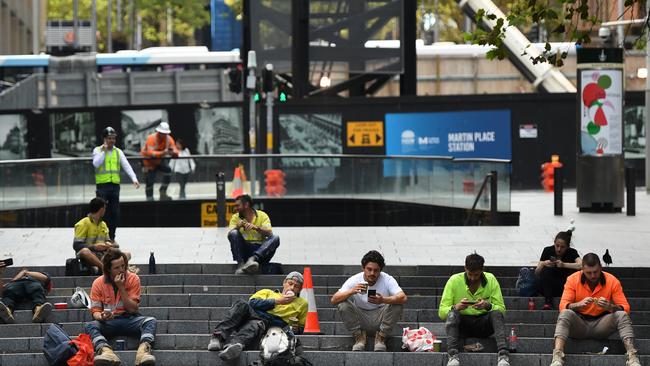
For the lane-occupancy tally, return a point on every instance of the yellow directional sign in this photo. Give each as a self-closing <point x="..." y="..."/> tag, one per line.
<point x="366" y="133"/>
<point x="209" y="213"/>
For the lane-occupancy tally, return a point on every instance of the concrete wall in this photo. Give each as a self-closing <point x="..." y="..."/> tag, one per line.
<point x="18" y="28"/>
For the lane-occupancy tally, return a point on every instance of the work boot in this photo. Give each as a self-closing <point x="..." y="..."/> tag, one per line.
<point x="144" y="356"/>
<point x="359" y="341"/>
<point x="380" y="342"/>
<point x="503" y="359"/>
<point x="106" y="357"/>
<point x="5" y="314"/>
<point x="251" y="266"/>
<point x="215" y="343"/>
<point x="453" y="360"/>
<point x="558" y="358"/>
<point x="632" y="358"/>
<point x="239" y="269"/>
<point x="164" y="196"/>
<point x="41" y="312"/>
<point x="231" y="352"/>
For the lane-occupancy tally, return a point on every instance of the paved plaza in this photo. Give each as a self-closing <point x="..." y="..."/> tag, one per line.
<point x="627" y="238"/>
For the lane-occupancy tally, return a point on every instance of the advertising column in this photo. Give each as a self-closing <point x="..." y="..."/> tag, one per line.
<point x="600" y="161"/>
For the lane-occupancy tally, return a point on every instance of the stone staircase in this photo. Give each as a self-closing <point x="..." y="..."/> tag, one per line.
<point x="189" y="299"/>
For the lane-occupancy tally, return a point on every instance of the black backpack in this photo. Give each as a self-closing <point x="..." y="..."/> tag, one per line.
<point x="57" y="347"/>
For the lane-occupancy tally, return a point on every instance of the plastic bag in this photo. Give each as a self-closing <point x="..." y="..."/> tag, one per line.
<point x="85" y="354"/>
<point x="418" y="340"/>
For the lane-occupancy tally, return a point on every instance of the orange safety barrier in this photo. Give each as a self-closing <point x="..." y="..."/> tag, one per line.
<point x="548" y="173"/>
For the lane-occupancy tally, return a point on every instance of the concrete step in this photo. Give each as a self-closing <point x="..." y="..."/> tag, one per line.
<point x="199" y="342"/>
<point x="331" y="281"/>
<point x="325" y="314"/>
<point x="423" y="270"/>
<point x="340" y="358"/>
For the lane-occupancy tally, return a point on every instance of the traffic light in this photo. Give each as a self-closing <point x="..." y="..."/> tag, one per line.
<point x="235" y="79"/>
<point x="283" y="93"/>
<point x="267" y="79"/>
<point x="256" y="97"/>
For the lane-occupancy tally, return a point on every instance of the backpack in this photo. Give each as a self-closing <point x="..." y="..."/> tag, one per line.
<point x="57" y="346"/>
<point x="527" y="282"/>
<point x="75" y="267"/>
<point x="279" y="348"/>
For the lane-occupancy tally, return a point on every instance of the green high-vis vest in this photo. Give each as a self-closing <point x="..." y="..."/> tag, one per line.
<point x="109" y="172"/>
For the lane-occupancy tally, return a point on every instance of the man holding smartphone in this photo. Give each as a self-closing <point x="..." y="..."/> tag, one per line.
<point x="251" y="237"/>
<point x="115" y="305"/>
<point x="593" y="306"/>
<point x="26" y="286"/>
<point x="472" y="306"/>
<point x="370" y="301"/>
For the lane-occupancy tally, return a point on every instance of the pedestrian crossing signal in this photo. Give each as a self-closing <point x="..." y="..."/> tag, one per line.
<point x="257" y="97"/>
<point x="283" y="97"/>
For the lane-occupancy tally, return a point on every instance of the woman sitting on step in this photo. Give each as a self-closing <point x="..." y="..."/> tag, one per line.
<point x="557" y="262"/>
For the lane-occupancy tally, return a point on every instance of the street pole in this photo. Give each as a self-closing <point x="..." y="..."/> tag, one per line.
<point x="75" y="24"/>
<point x="269" y="114"/>
<point x="94" y="26"/>
<point x="118" y="14"/>
<point x="647" y="102"/>
<point x="251" y="81"/>
<point x="109" y="33"/>
<point x="36" y="29"/>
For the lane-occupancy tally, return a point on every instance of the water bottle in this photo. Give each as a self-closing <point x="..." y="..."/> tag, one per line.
<point x="512" y="340"/>
<point x="152" y="264"/>
<point x="531" y="304"/>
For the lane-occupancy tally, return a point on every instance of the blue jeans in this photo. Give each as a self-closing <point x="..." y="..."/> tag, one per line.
<point x="110" y="192"/>
<point x="242" y="250"/>
<point x="123" y="325"/>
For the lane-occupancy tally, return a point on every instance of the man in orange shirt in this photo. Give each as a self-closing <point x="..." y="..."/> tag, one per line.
<point x="160" y="146"/>
<point x="593" y="306"/>
<point x="115" y="302"/>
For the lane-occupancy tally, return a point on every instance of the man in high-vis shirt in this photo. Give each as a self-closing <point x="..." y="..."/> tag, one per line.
<point x="472" y="306"/>
<point x="247" y="321"/>
<point x="160" y="146"/>
<point x="115" y="306"/>
<point x="108" y="160"/>
<point x="251" y="237"/>
<point x="593" y="306"/>
<point x="91" y="235"/>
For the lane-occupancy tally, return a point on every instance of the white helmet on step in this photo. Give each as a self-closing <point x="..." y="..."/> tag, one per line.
<point x="80" y="299"/>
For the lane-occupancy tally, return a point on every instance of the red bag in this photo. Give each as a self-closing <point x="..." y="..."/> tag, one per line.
<point x="86" y="353"/>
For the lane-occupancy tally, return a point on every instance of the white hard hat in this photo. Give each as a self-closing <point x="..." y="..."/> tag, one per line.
<point x="163" y="127"/>
<point x="80" y="299"/>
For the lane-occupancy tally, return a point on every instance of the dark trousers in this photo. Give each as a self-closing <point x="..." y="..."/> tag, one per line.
<point x="552" y="282"/>
<point x="24" y="290"/>
<point x="123" y="325"/>
<point x="241" y="325"/>
<point x="479" y="326"/>
<point x="182" y="181"/>
<point x="110" y="192"/>
<point x="164" y="168"/>
<point x="242" y="250"/>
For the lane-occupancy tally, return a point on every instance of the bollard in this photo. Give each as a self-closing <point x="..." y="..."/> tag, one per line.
<point x="630" y="186"/>
<point x="493" y="191"/>
<point x="558" y="186"/>
<point x="221" y="199"/>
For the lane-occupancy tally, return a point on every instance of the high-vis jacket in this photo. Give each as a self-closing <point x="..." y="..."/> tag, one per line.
<point x="108" y="164"/>
<point x="156" y="145"/>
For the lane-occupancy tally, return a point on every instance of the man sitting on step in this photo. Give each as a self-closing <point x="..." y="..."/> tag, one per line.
<point x="26" y="286"/>
<point x="472" y="306"/>
<point x="593" y="306"/>
<point x="115" y="305"/>
<point x="251" y="237"/>
<point x="91" y="235"/>
<point x="246" y="321"/>
<point x="370" y="301"/>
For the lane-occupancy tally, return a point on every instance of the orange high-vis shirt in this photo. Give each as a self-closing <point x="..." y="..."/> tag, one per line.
<point x="104" y="297"/>
<point x="609" y="287"/>
<point x="155" y="147"/>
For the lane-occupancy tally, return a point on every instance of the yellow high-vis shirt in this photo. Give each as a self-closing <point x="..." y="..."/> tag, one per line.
<point x="261" y="220"/>
<point x="297" y="308"/>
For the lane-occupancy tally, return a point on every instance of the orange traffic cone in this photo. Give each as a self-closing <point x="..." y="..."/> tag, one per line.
<point x="307" y="293"/>
<point x="237" y="187"/>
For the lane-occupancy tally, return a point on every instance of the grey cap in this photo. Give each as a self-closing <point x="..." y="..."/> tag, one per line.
<point x="296" y="276"/>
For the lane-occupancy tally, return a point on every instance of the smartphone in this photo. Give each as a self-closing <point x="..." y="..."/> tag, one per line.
<point x="372" y="292"/>
<point x="8" y="262"/>
<point x="470" y="302"/>
<point x="553" y="259"/>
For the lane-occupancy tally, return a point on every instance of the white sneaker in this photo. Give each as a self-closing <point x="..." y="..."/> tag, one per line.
<point x="453" y="360"/>
<point x="215" y="344"/>
<point x="558" y="358"/>
<point x="503" y="360"/>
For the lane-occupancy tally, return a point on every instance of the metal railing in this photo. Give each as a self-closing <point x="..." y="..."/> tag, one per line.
<point x="442" y="181"/>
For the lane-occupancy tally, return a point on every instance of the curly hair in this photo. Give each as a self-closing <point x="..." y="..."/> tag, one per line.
<point x="375" y="257"/>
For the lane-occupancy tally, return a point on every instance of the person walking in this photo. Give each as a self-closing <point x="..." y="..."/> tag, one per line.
<point x="182" y="167"/>
<point x="160" y="146"/>
<point x="108" y="160"/>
